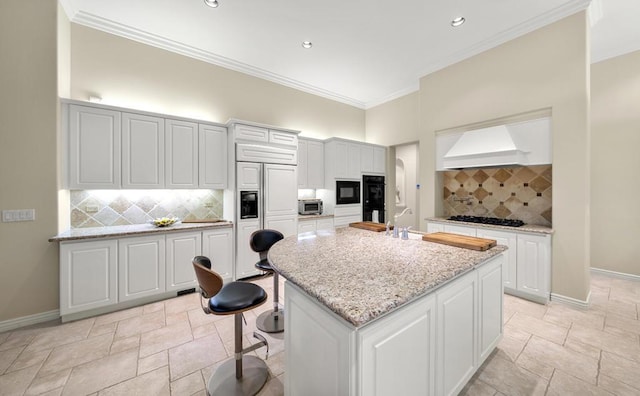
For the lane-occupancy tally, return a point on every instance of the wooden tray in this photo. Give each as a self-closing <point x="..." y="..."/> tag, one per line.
<point x="461" y="241"/>
<point x="369" y="225"/>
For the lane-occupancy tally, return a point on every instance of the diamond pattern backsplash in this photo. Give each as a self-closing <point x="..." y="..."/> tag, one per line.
<point x="522" y="193"/>
<point x="101" y="208"/>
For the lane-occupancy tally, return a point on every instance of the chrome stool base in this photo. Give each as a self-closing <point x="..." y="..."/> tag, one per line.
<point x="271" y="321"/>
<point x="224" y="382"/>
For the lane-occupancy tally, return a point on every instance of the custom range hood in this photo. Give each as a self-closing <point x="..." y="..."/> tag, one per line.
<point x="493" y="146"/>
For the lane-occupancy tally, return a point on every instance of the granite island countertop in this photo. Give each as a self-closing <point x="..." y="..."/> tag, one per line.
<point x="361" y="275"/>
<point x="538" y="229"/>
<point x="77" y="234"/>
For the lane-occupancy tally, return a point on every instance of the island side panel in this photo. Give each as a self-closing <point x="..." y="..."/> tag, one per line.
<point x="319" y="348"/>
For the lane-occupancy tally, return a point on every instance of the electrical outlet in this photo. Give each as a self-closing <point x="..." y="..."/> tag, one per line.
<point x="91" y="208"/>
<point x="9" y="216"/>
<point x="208" y="204"/>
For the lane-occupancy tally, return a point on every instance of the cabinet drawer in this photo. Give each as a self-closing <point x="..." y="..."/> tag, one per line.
<point x="286" y="138"/>
<point x="347" y="211"/>
<point x="252" y="133"/>
<point x="324" y="224"/>
<point x="343" y="221"/>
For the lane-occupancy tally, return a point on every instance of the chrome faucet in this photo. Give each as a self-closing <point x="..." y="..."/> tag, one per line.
<point x="397" y="216"/>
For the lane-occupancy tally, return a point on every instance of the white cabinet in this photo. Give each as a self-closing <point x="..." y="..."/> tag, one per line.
<point x="456" y="336"/>
<point x="280" y="198"/>
<point x="94" y="148"/>
<point x="372" y="159"/>
<point x="490" y="301"/>
<point x="379" y="160"/>
<point x="434" y="227"/>
<point x="218" y="246"/>
<point x="141" y="267"/>
<point x="251" y="133"/>
<point x="534" y="265"/>
<point x="181" y="249"/>
<point x="307" y="225"/>
<point x="143" y="154"/>
<point x="398" y="352"/>
<point x="346" y="214"/>
<point x="282" y="137"/>
<point x="245" y="257"/>
<point x="247" y="176"/>
<point x="181" y="154"/>
<point x="353" y="161"/>
<point x="212" y="157"/>
<point x="324" y="224"/>
<point x="508" y="239"/>
<point x="310" y="164"/>
<point x="88" y="275"/>
<point x="458" y="229"/>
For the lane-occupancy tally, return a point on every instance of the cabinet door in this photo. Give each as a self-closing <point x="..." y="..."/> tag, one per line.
<point x="246" y="258"/>
<point x="489" y="306"/>
<point x="434" y="227"/>
<point x="353" y="161"/>
<point x="306" y="226"/>
<point x="141" y="267"/>
<point x="218" y="246"/>
<point x="302" y="164"/>
<point x="181" y="249"/>
<point x="88" y="273"/>
<point x="142" y="151"/>
<point x="379" y="160"/>
<point x="281" y="137"/>
<point x="287" y="225"/>
<point x="181" y="154"/>
<point x="366" y="158"/>
<point x="94" y="145"/>
<point x="462" y="230"/>
<point x="324" y="224"/>
<point x="456" y="335"/>
<point x="397" y="353"/>
<point x="534" y="264"/>
<point x="509" y="239"/>
<point x="281" y="191"/>
<point x="315" y="164"/>
<point x="340" y="155"/>
<point x="212" y="156"/>
<point x="251" y="133"/>
<point x="248" y="176"/>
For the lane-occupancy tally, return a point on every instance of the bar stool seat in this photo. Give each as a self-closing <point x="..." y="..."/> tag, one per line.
<point x="261" y="241"/>
<point x="242" y="375"/>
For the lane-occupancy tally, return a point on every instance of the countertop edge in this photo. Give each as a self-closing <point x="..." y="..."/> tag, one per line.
<point x="79" y="234"/>
<point x="531" y="228"/>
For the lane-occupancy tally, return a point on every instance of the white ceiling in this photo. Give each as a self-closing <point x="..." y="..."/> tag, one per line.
<point x="365" y="52"/>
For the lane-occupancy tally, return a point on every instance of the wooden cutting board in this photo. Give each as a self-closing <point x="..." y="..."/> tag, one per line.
<point x="369" y="225"/>
<point x="461" y="241"/>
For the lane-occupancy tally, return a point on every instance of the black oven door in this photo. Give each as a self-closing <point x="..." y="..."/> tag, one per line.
<point x="347" y="192"/>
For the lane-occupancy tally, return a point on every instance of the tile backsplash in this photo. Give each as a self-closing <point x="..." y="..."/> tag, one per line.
<point x="99" y="208"/>
<point x="522" y="193"/>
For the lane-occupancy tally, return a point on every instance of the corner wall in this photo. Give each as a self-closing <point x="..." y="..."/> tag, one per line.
<point x="548" y="68"/>
<point x="28" y="163"/>
<point x="615" y="127"/>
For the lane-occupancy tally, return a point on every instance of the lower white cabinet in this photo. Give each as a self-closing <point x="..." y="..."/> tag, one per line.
<point x="99" y="276"/>
<point x="88" y="275"/>
<point x="534" y="265"/>
<point x="315" y="225"/>
<point x="141" y="267"/>
<point x="508" y="239"/>
<point x="218" y="246"/>
<point x="462" y="230"/>
<point x="324" y="224"/>
<point x="246" y="258"/>
<point x="181" y="249"/>
<point x="430" y="346"/>
<point x="346" y="214"/>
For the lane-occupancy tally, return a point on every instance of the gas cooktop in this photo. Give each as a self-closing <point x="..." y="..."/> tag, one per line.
<point x="488" y="220"/>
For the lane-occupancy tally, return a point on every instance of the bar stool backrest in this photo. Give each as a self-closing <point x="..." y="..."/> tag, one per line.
<point x="210" y="282"/>
<point x="262" y="240"/>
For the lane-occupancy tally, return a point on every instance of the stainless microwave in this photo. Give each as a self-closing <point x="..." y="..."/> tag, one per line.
<point x="309" y="206"/>
<point x="347" y="192"/>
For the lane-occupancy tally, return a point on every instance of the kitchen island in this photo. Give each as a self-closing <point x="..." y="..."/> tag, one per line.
<point x="371" y="314"/>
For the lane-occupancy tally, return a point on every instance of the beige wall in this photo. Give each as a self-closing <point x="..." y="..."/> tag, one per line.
<point x="129" y="74"/>
<point x="394" y="122"/>
<point x="547" y="68"/>
<point x="615" y="127"/>
<point x="28" y="110"/>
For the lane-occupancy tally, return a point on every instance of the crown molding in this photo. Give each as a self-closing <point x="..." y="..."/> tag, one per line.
<point x="398" y="94"/>
<point x="614" y="52"/>
<point x="118" y="29"/>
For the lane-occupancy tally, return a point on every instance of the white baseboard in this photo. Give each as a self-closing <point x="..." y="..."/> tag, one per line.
<point x="615" y="274"/>
<point x="574" y="302"/>
<point x="23" y="321"/>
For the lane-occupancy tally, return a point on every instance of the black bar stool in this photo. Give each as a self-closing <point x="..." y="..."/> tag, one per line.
<point x="261" y="241"/>
<point x="243" y="375"/>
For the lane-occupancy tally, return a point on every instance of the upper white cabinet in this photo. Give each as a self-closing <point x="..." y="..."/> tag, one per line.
<point x="95" y="147"/>
<point x="310" y="164"/>
<point x="142" y="151"/>
<point x="112" y="149"/>
<point x="372" y="159"/>
<point x="264" y="134"/>
<point x="212" y="156"/>
<point x="181" y="154"/>
<point x="345" y="159"/>
<point x="251" y="133"/>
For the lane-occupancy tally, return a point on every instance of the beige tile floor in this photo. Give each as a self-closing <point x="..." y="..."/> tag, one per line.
<point x="172" y="347"/>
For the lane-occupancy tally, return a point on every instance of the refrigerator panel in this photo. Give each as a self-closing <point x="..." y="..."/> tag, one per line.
<point x="280" y="191"/>
<point x="246" y="258"/>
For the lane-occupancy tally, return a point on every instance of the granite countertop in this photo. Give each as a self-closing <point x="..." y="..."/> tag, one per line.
<point x="76" y="234"/>
<point x="314" y="217"/>
<point x="525" y="228"/>
<point x="361" y="275"/>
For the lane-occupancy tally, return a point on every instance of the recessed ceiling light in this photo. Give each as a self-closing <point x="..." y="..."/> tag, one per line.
<point x="457" y="21"/>
<point x="211" y="3"/>
<point x="307" y="44"/>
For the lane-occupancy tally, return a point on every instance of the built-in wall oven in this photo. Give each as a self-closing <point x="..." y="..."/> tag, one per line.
<point x="347" y="192"/>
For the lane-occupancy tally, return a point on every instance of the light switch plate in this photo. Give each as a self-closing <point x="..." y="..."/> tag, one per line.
<point x="9" y="216"/>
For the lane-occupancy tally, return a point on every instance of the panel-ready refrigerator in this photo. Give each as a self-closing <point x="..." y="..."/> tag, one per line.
<point x="266" y="198"/>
